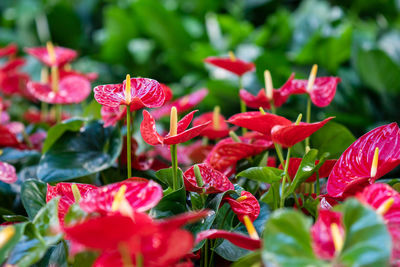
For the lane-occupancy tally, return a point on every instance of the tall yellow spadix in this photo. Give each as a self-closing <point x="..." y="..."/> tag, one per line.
<point x="51" y="51"/>
<point x="337" y="237"/>
<point x="232" y="56"/>
<point x="250" y="227"/>
<point x="216" y="123"/>
<point x="173" y="124"/>
<point x="268" y="85"/>
<point x="128" y="97"/>
<point x="374" y="166"/>
<point x="311" y="78"/>
<point x="385" y="206"/>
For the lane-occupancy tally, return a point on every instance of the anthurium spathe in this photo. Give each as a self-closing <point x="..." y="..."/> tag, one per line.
<point x="137" y="93"/>
<point x="8" y="138"/>
<point x="386" y="201"/>
<point x="231" y="64"/>
<point x="218" y="128"/>
<point x="111" y="116"/>
<point x="7" y="173"/>
<point x="58" y="56"/>
<point x="281" y="130"/>
<point x="150" y="135"/>
<point x="34" y="116"/>
<point x="245" y="205"/>
<point x="213" y="181"/>
<point x="367" y="159"/>
<point x="67" y="195"/>
<point x="181" y="104"/>
<point x="239" y="240"/>
<point x="8" y="50"/>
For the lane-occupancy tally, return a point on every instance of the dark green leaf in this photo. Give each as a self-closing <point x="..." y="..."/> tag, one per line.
<point x="33" y="196"/>
<point x="267" y="175"/>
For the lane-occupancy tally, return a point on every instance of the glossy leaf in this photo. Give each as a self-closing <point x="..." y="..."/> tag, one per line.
<point x="33" y="196"/>
<point x="267" y="175"/>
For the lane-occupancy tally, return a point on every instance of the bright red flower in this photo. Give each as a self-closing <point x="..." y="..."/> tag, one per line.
<point x="352" y="171"/>
<point x="236" y="66"/>
<point x="8" y="138"/>
<point x="164" y="153"/>
<point x="62" y="55"/>
<point x="197" y="152"/>
<point x="64" y="191"/>
<point x="143" y="93"/>
<point x="7" y="173"/>
<point x="141" y="195"/>
<point x="246" y="204"/>
<point x="261" y="99"/>
<point x="214" y="181"/>
<point x="322" y="92"/>
<point x="386" y="201"/>
<point x="323" y="172"/>
<point x="281" y="130"/>
<point x="8" y="50"/>
<point x="150" y="135"/>
<point x="34" y="116"/>
<point x="239" y="240"/>
<point x="182" y="104"/>
<point x="214" y="130"/>
<point x="71" y="90"/>
<point x="111" y="116"/>
<point x="140" y="162"/>
<point x="167" y="92"/>
<point x="12" y="65"/>
<point x="321" y="233"/>
<point x="15" y="83"/>
<point x="91" y="76"/>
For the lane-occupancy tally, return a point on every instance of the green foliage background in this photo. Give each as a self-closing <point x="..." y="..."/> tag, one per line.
<point x="168" y="40"/>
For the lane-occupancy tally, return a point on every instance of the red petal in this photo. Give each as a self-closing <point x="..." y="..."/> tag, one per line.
<point x="261" y="99"/>
<point x="182" y="104"/>
<point x="289" y="135"/>
<point x="148" y="130"/>
<point x="197" y="152"/>
<point x="63" y="55"/>
<point x="15" y="84"/>
<point x="236" y="239"/>
<point x="141" y="195"/>
<point x="148" y="92"/>
<point x="111" y="116"/>
<point x="7" y="138"/>
<point x="91" y="76"/>
<point x="324" y="90"/>
<point x="323" y="172"/>
<point x="321" y="233"/>
<point x="185" y="122"/>
<point x="110" y="95"/>
<point x="34" y="116"/>
<point x="13" y="65"/>
<point x="7" y="173"/>
<point x="182" y="219"/>
<point x="256" y="121"/>
<point x="8" y="50"/>
<point x="238" y="67"/>
<point x="214" y="181"/>
<point x="352" y="171"/>
<point x="209" y="131"/>
<point x="167" y="92"/>
<point x="248" y="206"/>
<point x="185" y="136"/>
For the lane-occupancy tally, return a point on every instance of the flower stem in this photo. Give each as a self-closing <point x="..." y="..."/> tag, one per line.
<point x="242" y="104"/>
<point x="128" y="143"/>
<point x="58" y="113"/>
<point x="308" y="119"/>
<point x="318" y="189"/>
<point x="279" y="153"/>
<point x="174" y="161"/>
<point x="284" y="178"/>
<point x="44" y="110"/>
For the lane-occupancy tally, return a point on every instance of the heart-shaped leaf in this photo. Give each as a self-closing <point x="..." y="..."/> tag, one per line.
<point x="267" y="175"/>
<point x="33" y="196"/>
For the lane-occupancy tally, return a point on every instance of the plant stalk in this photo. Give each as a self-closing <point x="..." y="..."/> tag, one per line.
<point x="282" y="203"/>
<point x="128" y="143"/>
<point x="174" y="162"/>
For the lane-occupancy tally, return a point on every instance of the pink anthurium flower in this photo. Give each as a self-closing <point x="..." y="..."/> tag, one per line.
<point x="239" y="240"/>
<point x="213" y="180"/>
<point x="67" y="196"/>
<point x="328" y="224"/>
<point x="245" y="205"/>
<point x="227" y="152"/>
<point x="386" y="201"/>
<point x="323" y="172"/>
<point x="8" y="50"/>
<point x="7" y="173"/>
<point x="281" y="130"/>
<point x="62" y="55"/>
<point x="218" y="128"/>
<point x="34" y="116"/>
<point x="91" y="76"/>
<point x="367" y="159"/>
<point x="167" y="92"/>
<point x="142" y="93"/>
<point x="231" y="64"/>
<point x="72" y="89"/>
<point x="182" y="104"/>
<point x="150" y="135"/>
<point x="12" y="65"/>
<point x="111" y="116"/>
<point x="8" y="138"/>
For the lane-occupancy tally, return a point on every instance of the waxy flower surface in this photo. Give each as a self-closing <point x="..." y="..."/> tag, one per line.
<point x="245" y="205"/>
<point x="218" y="128"/>
<point x="62" y="55"/>
<point x="355" y="169"/>
<point x="152" y="137"/>
<point x="111" y="116"/>
<point x="231" y="64"/>
<point x="8" y="50"/>
<point x="7" y="173"/>
<point x="235" y="238"/>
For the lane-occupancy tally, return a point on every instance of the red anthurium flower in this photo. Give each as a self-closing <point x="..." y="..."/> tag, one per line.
<point x="235" y="238"/>
<point x="62" y="55"/>
<point x="214" y="181"/>
<point x="322" y="92"/>
<point x="164" y="153"/>
<point x="182" y="104"/>
<point x="357" y="168"/>
<point x="323" y="172"/>
<point x="7" y="173"/>
<point x="8" y="138"/>
<point x="231" y="64"/>
<point x="111" y="116"/>
<point x="15" y="127"/>
<point x="197" y="152"/>
<point x="142" y="93"/>
<point x="227" y="152"/>
<point x="150" y="135"/>
<point x="218" y="128"/>
<point x="12" y="65"/>
<point x="323" y="231"/>
<point x="72" y="89"/>
<point x="67" y="198"/>
<point x="91" y="76"/>
<point x="141" y="194"/>
<point x="386" y="201"/>
<point x="244" y="205"/>
<point x="281" y="130"/>
<point x="167" y="92"/>
<point x="8" y="50"/>
<point x="140" y="162"/>
<point x="15" y="83"/>
<point x="34" y="116"/>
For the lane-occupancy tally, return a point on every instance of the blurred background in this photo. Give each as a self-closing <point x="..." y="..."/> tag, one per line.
<point x="168" y="40"/>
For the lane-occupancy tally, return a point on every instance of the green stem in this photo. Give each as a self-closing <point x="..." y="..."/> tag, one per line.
<point x="318" y="184"/>
<point x="44" y="110"/>
<point x="296" y="201"/>
<point x="279" y="153"/>
<point x="273" y="109"/>
<point x="58" y="113"/>
<point x="128" y="143"/>
<point x="308" y="119"/>
<point x="206" y="254"/>
<point x="174" y="161"/>
<point x="285" y="177"/>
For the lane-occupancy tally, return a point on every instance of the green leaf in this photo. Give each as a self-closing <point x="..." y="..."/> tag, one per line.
<point x="58" y="130"/>
<point x="252" y="259"/>
<point x="267" y="175"/>
<point x="78" y="154"/>
<point x="5" y="249"/>
<point x="367" y="240"/>
<point x="18" y="157"/>
<point x="33" y="196"/>
<point x="333" y="138"/>
<point x="166" y="177"/>
<point x="287" y="240"/>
